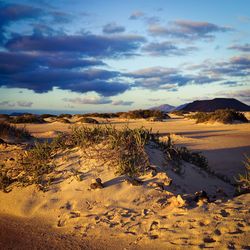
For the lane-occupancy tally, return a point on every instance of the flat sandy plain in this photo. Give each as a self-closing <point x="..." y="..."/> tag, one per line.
<point x="122" y="216"/>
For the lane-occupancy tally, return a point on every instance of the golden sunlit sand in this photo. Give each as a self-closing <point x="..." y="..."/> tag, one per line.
<point x="89" y="206"/>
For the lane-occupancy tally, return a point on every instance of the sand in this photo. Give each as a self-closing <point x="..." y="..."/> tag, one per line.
<point x="122" y="216"/>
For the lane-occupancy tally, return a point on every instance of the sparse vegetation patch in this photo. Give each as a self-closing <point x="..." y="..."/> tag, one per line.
<point x="8" y="131"/>
<point x="124" y="150"/>
<point x="225" y="116"/>
<point x="29" y="118"/>
<point x="243" y="180"/>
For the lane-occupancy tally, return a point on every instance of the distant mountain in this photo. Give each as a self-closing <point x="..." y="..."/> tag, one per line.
<point x="181" y="106"/>
<point x="217" y="103"/>
<point x="164" y="108"/>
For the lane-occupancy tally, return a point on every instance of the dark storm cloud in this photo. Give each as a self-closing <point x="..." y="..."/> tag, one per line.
<point x="166" y="49"/>
<point x="15" y="12"/>
<point x="14" y="62"/>
<point x="10" y="13"/>
<point x="242" y="48"/>
<point x="188" y="29"/>
<point x="103" y="82"/>
<point x="86" y="44"/>
<point x="111" y="28"/>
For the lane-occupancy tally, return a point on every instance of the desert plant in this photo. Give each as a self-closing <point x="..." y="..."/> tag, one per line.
<point x="140" y="113"/>
<point x="65" y="116"/>
<point x="123" y="148"/>
<point x="225" y="116"/>
<point x="62" y="120"/>
<point x="29" y="118"/>
<point x="243" y="180"/>
<point x="176" y="155"/>
<point x="5" y="181"/>
<point x="179" y="112"/>
<point x="88" y="120"/>
<point x="11" y="131"/>
<point x="47" y="116"/>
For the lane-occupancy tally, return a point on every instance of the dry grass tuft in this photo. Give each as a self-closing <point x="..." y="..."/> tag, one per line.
<point x="225" y="116"/>
<point x="8" y="131"/>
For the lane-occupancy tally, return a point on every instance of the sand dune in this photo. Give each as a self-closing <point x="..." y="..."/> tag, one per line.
<point x="157" y="214"/>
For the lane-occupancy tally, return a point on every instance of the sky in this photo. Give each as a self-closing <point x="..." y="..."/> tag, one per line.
<point x="105" y="56"/>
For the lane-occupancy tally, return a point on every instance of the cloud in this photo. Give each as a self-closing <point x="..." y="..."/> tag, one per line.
<point x="232" y="84"/>
<point x="16" y="62"/>
<point x="242" y="48"/>
<point x="243" y="94"/>
<point x="188" y="30"/>
<point x="136" y="15"/>
<point x="18" y="103"/>
<point x="103" y="82"/>
<point x="111" y="28"/>
<point x="10" y="13"/>
<point x="88" y="100"/>
<point x="24" y="104"/>
<point x="122" y="103"/>
<point x="7" y="104"/>
<point x="238" y="66"/>
<point x="167" y="78"/>
<point x="15" y="12"/>
<point x="166" y="49"/>
<point x="86" y="44"/>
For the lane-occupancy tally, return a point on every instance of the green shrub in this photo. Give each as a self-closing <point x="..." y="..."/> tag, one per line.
<point x="179" y="112"/>
<point x="11" y="131"/>
<point x="26" y="119"/>
<point x="62" y="120"/>
<point x="43" y="116"/>
<point x="139" y="114"/>
<point x="176" y="155"/>
<point x="100" y="115"/>
<point x="65" y="116"/>
<point x="4" y="116"/>
<point x="88" y="120"/>
<point x="225" y="116"/>
<point x="243" y="180"/>
<point x="123" y="148"/>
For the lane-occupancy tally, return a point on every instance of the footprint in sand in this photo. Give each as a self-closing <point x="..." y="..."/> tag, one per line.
<point x="205" y="222"/>
<point x="209" y="240"/>
<point x="224" y="213"/>
<point x="68" y="206"/>
<point x="74" y="214"/>
<point x="154" y="226"/>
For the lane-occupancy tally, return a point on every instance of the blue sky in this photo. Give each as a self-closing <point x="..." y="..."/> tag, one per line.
<point x="122" y="55"/>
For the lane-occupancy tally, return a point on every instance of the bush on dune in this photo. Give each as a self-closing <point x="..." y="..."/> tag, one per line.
<point x="124" y="149"/>
<point x="88" y="120"/>
<point x="99" y="115"/>
<point x="43" y="116"/>
<point x="179" y="112"/>
<point x="65" y="116"/>
<point x="225" y="116"/>
<point x="243" y="180"/>
<point x="11" y="131"/>
<point x="29" y="118"/>
<point x="145" y="114"/>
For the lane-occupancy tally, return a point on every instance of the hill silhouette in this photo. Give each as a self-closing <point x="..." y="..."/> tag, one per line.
<point x="215" y="104"/>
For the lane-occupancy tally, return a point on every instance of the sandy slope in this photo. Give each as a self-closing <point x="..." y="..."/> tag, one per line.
<point x="123" y="216"/>
<point x="223" y="145"/>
